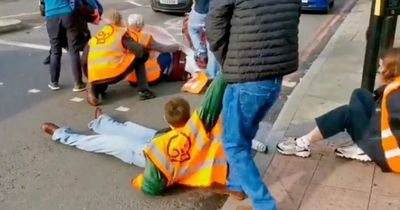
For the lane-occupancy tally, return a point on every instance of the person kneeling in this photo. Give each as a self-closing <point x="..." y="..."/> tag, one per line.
<point x="372" y="120"/>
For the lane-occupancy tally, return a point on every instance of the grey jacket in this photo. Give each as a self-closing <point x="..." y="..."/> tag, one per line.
<point x="254" y="39"/>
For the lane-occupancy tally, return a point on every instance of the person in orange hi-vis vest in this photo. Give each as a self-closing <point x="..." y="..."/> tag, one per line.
<point x="110" y="56"/>
<point x="188" y="152"/>
<point x="372" y="120"/>
<point x="153" y="70"/>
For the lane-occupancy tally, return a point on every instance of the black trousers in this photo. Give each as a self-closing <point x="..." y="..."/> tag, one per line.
<point x="353" y="118"/>
<point x="59" y="27"/>
<point x="138" y="65"/>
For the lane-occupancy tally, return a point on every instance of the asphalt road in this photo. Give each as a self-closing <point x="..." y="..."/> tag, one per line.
<point x="36" y="173"/>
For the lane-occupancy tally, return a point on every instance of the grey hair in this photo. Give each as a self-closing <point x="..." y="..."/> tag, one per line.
<point x="135" y="20"/>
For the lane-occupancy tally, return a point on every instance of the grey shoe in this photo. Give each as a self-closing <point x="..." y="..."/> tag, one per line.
<point x="352" y="152"/>
<point x="79" y="87"/>
<point x="53" y="86"/>
<point x="290" y="147"/>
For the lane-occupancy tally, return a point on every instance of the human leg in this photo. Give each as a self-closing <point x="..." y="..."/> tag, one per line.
<point x="196" y="23"/>
<point x="54" y="30"/>
<point x="143" y="86"/>
<point x="123" y="148"/>
<point x="106" y="125"/>
<point x="71" y="24"/>
<point x="213" y="67"/>
<point x="244" y="106"/>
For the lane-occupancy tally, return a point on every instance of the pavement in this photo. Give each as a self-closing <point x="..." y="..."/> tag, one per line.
<point x="324" y="181"/>
<point x="8" y="25"/>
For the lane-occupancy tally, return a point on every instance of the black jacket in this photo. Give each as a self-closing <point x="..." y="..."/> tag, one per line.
<point x="254" y="39"/>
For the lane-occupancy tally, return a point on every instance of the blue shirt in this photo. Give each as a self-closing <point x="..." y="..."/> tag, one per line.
<point x="201" y="6"/>
<point x="59" y="7"/>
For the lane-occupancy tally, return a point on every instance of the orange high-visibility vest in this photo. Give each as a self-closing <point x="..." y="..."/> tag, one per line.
<point x="108" y="58"/>
<point x="189" y="156"/>
<point x="390" y="144"/>
<point x="153" y="70"/>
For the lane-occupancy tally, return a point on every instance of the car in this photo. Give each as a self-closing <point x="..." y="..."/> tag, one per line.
<point x="171" y="6"/>
<point x="317" y="5"/>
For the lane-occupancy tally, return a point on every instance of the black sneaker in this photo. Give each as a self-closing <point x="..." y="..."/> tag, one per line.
<point x="53" y="86"/>
<point x="79" y="87"/>
<point x="146" y="94"/>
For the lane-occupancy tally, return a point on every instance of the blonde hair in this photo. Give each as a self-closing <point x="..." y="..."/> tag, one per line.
<point x="112" y="16"/>
<point x="135" y="20"/>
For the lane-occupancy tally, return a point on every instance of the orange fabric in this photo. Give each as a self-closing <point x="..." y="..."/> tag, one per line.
<point x="389" y="142"/>
<point x="153" y="71"/>
<point x="196" y="84"/>
<point x="189" y="156"/>
<point x="107" y="56"/>
<point x="137" y="182"/>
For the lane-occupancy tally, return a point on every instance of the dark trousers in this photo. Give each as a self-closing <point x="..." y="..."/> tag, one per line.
<point x="59" y="26"/>
<point x="138" y="65"/>
<point x="353" y="118"/>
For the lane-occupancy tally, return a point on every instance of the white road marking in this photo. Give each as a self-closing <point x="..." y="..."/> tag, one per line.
<point x="134" y="3"/>
<point x="122" y="109"/>
<point x="33" y="91"/>
<point x="289" y="84"/>
<point x="1" y="84"/>
<point x="26" y="45"/>
<point x="40" y="26"/>
<point x="76" y="99"/>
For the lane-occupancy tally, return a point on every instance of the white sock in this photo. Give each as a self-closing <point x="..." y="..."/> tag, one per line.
<point x="303" y="141"/>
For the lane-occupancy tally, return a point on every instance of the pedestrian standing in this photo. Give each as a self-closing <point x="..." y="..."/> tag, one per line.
<point x="197" y="21"/>
<point x="256" y="42"/>
<point x="62" y="21"/>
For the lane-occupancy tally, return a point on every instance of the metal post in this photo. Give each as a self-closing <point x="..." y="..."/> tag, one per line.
<point x="388" y="33"/>
<point x="373" y="43"/>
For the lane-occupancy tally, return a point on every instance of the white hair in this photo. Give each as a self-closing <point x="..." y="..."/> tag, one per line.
<point x="135" y="20"/>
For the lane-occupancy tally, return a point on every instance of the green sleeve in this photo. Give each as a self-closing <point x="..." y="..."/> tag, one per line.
<point x="212" y="103"/>
<point x="154" y="181"/>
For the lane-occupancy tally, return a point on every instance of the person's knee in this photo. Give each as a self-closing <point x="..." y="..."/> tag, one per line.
<point x="360" y="93"/>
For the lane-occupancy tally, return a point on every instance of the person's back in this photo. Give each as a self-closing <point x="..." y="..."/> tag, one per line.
<point x="261" y="42"/>
<point x="57" y="7"/>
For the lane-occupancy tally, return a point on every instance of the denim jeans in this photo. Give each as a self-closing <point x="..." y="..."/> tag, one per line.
<point x="196" y="24"/>
<point x="125" y="141"/>
<point x="244" y="106"/>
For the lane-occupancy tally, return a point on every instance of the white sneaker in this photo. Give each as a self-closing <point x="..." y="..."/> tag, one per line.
<point x="258" y="146"/>
<point x="352" y="152"/>
<point x="290" y="147"/>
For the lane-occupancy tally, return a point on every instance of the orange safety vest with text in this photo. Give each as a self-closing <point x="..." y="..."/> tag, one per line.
<point x="153" y="70"/>
<point x="390" y="144"/>
<point x="189" y="156"/>
<point x="108" y="58"/>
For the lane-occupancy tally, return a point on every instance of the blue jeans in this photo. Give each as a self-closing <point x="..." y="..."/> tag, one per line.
<point x="125" y="141"/>
<point x="244" y="106"/>
<point x="196" y="24"/>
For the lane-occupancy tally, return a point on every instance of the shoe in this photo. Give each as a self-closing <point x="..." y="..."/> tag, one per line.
<point x="91" y="98"/>
<point x="258" y="146"/>
<point x="352" y="152"/>
<point x="46" y="61"/>
<point x="49" y="128"/>
<point x="53" y="86"/>
<point x="221" y="189"/>
<point x="290" y="147"/>
<point x="244" y="208"/>
<point x="98" y="113"/>
<point x="146" y="94"/>
<point x="79" y="87"/>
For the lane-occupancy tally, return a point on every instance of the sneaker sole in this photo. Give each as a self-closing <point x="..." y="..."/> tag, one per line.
<point x="52" y="88"/>
<point x="78" y="90"/>
<point x="364" y="158"/>
<point x="299" y="154"/>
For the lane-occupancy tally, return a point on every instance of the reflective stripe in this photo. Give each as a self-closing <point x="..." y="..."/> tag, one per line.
<point x="160" y="157"/>
<point x="378" y="109"/>
<point x="386" y="133"/>
<point x="206" y="164"/>
<point x="95" y="61"/>
<point x="392" y="153"/>
<point x="217" y="138"/>
<point x="197" y="136"/>
<point x="100" y="48"/>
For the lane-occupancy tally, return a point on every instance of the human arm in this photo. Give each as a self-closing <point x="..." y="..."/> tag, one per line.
<point x="133" y="46"/>
<point x="84" y="59"/>
<point x="211" y="106"/>
<point x="218" y="27"/>
<point x="163" y="48"/>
